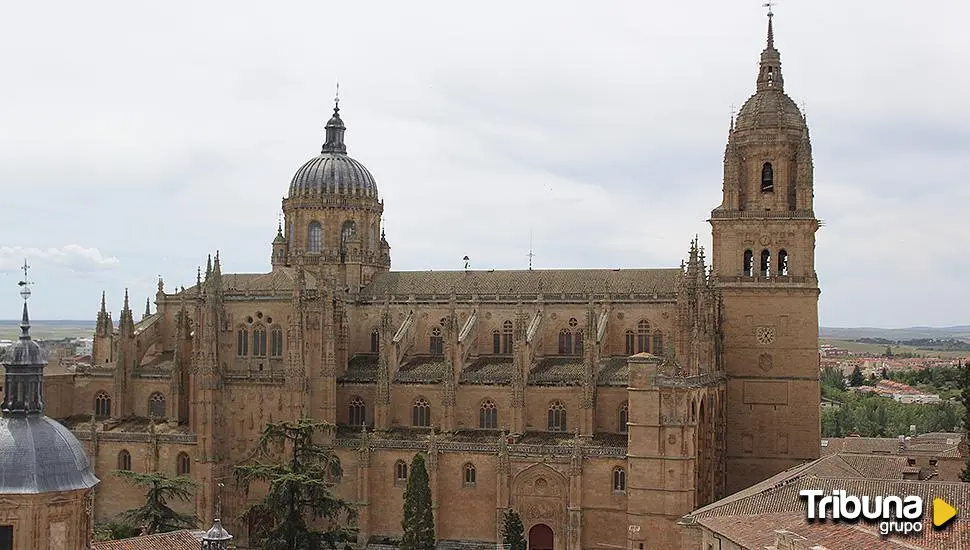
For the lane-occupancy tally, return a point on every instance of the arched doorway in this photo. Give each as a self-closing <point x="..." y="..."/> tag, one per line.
<point x="540" y="537"/>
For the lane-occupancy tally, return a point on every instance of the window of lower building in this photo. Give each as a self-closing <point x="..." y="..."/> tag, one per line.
<point x="6" y="537"/>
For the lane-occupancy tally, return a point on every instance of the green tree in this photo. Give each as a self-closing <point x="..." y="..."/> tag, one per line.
<point x="301" y="476"/>
<point x="418" y="521"/>
<point x="965" y="475"/>
<point x="155" y="516"/>
<point x="856" y="379"/>
<point x="513" y="533"/>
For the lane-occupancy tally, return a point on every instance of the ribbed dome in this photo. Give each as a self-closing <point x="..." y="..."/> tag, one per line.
<point x="40" y="455"/>
<point x="333" y="172"/>
<point x="769" y="109"/>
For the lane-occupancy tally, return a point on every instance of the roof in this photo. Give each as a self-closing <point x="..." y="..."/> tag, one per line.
<point x="40" y="455"/>
<point x="176" y="540"/>
<point x="549" y="282"/>
<point x="280" y="280"/>
<point x="751" y="516"/>
<point x="932" y="444"/>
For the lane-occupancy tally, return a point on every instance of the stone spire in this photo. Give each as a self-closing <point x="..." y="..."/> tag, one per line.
<point x="23" y="387"/>
<point x="769" y="73"/>
<point x="335" y="130"/>
<point x="148" y="308"/>
<point x="104" y="326"/>
<point x="126" y="325"/>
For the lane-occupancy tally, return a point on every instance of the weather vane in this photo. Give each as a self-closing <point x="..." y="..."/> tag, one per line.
<point x="25" y="284"/>
<point x="769" y="5"/>
<point x="336" y="97"/>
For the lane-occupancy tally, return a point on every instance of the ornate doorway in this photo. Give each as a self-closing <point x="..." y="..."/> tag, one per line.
<point x="540" y="537"/>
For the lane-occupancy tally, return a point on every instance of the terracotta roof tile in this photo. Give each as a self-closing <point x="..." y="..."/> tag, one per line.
<point x="557" y="371"/>
<point x="549" y="282"/>
<point x="176" y="540"/>
<point x="488" y="371"/>
<point x="422" y="370"/>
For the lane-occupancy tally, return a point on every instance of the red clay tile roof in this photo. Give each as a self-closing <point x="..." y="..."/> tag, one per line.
<point x="176" y="540"/>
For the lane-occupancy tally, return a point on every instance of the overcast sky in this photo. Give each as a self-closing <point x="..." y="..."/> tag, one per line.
<point x="136" y="138"/>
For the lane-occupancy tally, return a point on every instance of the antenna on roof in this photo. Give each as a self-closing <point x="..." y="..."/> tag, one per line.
<point x="531" y="253"/>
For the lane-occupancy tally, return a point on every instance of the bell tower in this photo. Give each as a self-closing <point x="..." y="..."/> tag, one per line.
<point x="764" y="260"/>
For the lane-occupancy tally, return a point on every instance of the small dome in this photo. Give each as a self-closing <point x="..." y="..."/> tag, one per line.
<point x="40" y="455"/>
<point x="333" y="173"/>
<point x="769" y="109"/>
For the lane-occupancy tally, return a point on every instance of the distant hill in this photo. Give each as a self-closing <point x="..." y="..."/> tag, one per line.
<point x="960" y="332"/>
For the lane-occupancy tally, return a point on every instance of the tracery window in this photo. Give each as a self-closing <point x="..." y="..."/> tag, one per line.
<point x="468" y="477"/>
<point x="259" y="342"/>
<point x="314" y="241"/>
<point x="357" y="412"/>
<point x="102" y="405"/>
<point x="624" y="418"/>
<point x="619" y="480"/>
<point x="183" y="464"/>
<point x="488" y="415"/>
<point x="124" y="460"/>
<point x="557" y="417"/>
<point x="437" y="343"/>
<point x="242" y="342"/>
<point x="421" y="413"/>
<point x="156" y="405"/>
<point x="643" y="337"/>
<point x="375" y="341"/>
<point x="571" y="339"/>
<point x="400" y="471"/>
<point x="276" y="342"/>
<point x="630" y="340"/>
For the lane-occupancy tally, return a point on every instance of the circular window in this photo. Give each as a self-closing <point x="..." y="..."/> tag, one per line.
<point x="249" y="319"/>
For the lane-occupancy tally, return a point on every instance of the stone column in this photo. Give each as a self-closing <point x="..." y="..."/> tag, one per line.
<point x="363" y="489"/>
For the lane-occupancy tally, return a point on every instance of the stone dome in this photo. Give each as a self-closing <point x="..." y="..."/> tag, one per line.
<point x="333" y="172"/>
<point x="40" y="455"/>
<point x="769" y="109"/>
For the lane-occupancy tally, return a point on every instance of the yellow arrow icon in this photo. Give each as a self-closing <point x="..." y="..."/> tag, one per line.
<point x="943" y="512"/>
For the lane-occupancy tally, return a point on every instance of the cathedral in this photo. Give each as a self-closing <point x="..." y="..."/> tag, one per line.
<point x="601" y="405"/>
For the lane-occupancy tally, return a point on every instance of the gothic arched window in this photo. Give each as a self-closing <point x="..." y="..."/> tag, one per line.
<point x="314" y="238"/>
<point x="437" y="343"/>
<point x="421" y="414"/>
<point x="496" y="342"/>
<point x="468" y="471"/>
<point x="643" y="336"/>
<point x="357" y="412"/>
<point x="183" y="464"/>
<point x="375" y="341"/>
<point x="767" y="178"/>
<point x="619" y="480"/>
<point x="156" y="405"/>
<point x="400" y="471"/>
<point x="507" y="337"/>
<point x="658" y="343"/>
<point x="557" y="417"/>
<point x="124" y="460"/>
<point x="242" y="342"/>
<point x="783" y="262"/>
<point x="748" y="267"/>
<point x="765" y="263"/>
<point x="259" y="342"/>
<point x="624" y="418"/>
<point x="488" y="415"/>
<point x="630" y="340"/>
<point x="102" y="405"/>
<point x="347" y="232"/>
<point x="565" y="342"/>
<point x="276" y="342"/>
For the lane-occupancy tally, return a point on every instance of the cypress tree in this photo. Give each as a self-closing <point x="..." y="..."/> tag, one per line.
<point x="418" y="521"/>
<point x="513" y="533"/>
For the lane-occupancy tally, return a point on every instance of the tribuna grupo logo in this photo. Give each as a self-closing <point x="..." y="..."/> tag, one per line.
<point x="894" y="514"/>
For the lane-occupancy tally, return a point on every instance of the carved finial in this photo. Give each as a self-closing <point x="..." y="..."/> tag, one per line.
<point x="161" y="284"/>
<point x="771" y="32"/>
